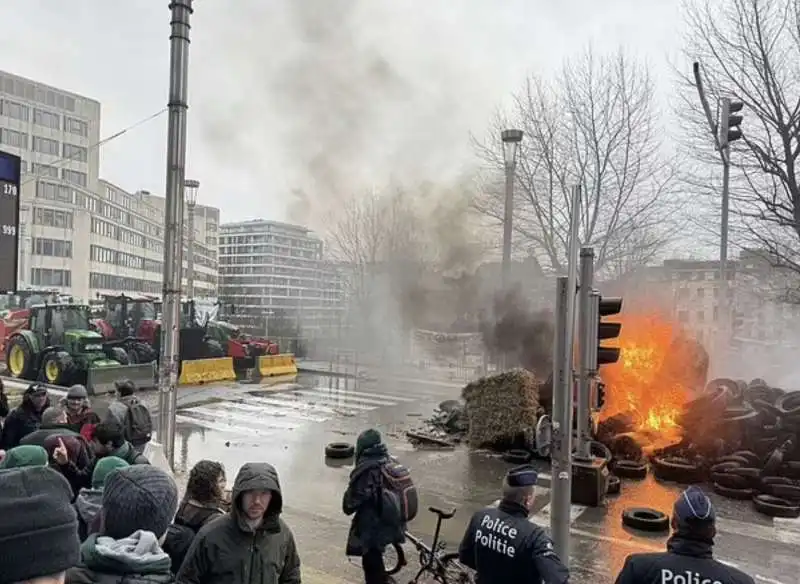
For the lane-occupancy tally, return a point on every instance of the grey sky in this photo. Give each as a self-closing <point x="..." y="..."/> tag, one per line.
<point x="307" y="94"/>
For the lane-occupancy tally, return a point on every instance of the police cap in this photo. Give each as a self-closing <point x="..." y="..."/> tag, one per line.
<point x="522" y="476"/>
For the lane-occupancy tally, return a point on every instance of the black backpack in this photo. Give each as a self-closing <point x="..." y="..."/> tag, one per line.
<point x="138" y="423"/>
<point x="397" y="480"/>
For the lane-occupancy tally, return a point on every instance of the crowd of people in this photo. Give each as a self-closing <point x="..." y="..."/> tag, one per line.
<point x="80" y="504"/>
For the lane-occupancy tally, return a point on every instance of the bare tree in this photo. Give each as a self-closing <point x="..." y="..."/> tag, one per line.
<point x="750" y="50"/>
<point x="595" y="125"/>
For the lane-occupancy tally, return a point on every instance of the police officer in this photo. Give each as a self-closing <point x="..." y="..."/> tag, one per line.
<point x="688" y="558"/>
<point x="503" y="546"/>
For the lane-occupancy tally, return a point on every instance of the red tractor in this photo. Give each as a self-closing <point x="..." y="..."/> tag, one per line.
<point x="131" y="322"/>
<point x="244" y="349"/>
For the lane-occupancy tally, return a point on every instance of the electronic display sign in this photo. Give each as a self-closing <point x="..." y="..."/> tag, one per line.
<point x="9" y="221"/>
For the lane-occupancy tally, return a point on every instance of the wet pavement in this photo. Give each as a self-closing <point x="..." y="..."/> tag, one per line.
<point x="288" y="425"/>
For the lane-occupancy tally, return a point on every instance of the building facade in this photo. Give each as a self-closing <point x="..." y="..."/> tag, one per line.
<point x="275" y="277"/>
<point x="79" y="234"/>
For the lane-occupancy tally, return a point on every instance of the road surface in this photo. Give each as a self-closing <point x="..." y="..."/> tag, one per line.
<point x="289" y="425"/>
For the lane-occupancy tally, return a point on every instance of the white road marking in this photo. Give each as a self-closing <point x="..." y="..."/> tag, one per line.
<point x="329" y="401"/>
<point x="259" y="410"/>
<point x="242" y="418"/>
<point x="298" y="405"/>
<point x="343" y="398"/>
<point x="236" y="430"/>
<point x="345" y="393"/>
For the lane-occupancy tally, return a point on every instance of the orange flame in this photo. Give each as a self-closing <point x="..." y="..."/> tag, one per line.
<point x="656" y="375"/>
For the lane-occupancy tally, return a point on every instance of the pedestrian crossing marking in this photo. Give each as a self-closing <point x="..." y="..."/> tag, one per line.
<point x="344" y="397"/>
<point x="300" y="406"/>
<point x="260" y="410"/>
<point x="232" y="418"/>
<point x="379" y="396"/>
<point x="222" y="429"/>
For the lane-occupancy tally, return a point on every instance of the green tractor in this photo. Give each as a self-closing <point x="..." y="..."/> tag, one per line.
<point x="58" y="347"/>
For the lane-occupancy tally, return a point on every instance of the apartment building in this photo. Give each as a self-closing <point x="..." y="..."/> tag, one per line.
<point x="79" y="234"/>
<point x="274" y="272"/>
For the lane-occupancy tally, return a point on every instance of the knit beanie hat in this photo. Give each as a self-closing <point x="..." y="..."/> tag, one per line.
<point x="140" y="496"/>
<point x="39" y="530"/>
<point x="103" y="468"/>
<point x="367" y="439"/>
<point x="25" y="455"/>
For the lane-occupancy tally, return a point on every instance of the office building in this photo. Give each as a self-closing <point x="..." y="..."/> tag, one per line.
<point x="79" y="234"/>
<point x="276" y="278"/>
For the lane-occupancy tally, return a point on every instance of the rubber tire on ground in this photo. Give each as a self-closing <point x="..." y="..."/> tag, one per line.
<point x="339" y="450"/>
<point x="730" y="481"/>
<point x="776" y="507"/>
<point x="630" y="469"/>
<point x="517" y="456"/>
<point x="455" y="571"/>
<point x="119" y="355"/>
<point x="64" y="362"/>
<point x="724" y="467"/>
<point x="753" y="459"/>
<point x="749" y="472"/>
<point x="145" y="353"/>
<point x="676" y="469"/>
<point x="28" y="372"/>
<point x="737" y="494"/>
<point x="614" y="485"/>
<point x="740" y="460"/>
<point x="789" y="492"/>
<point x="645" y="519"/>
<point x="395" y="560"/>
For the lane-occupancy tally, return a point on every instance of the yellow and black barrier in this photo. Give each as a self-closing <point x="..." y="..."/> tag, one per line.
<point x="200" y="371"/>
<point x="274" y="365"/>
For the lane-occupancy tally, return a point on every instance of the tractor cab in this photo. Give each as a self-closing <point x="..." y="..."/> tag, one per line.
<point x="67" y="326"/>
<point x="129" y="317"/>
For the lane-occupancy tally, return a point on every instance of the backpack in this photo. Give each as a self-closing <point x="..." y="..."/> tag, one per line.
<point x="138" y="423"/>
<point x="397" y="480"/>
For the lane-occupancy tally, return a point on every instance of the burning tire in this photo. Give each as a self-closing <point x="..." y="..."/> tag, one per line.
<point x="776" y="507"/>
<point x="788" y="492"/>
<point x="645" y="519"/>
<point x="614" y="485"/>
<point x="517" y="456"/>
<point x="679" y="470"/>
<point x="630" y="469"/>
<point x="339" y="450"/>
<point x="729" y="493"/>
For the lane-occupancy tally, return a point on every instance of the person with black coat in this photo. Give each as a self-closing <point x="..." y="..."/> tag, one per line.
<point x="689" y="556"/>
<point x="26" y="417"/>
<point x="54" y="423"/>
<point x="376" y="512"/>
<point x="3" y="402"/>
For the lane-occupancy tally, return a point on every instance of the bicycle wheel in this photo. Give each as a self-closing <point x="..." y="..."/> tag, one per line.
<point x="394" y="558"/>
<point x="454" y="572"/>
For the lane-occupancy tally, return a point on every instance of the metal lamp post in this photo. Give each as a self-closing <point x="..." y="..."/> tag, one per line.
<point x="190" y="188"/>
<point x="180" y="13"/>
<point x="511" y="140"/>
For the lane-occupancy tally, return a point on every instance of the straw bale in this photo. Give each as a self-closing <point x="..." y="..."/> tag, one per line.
<point x="501" y="407"/>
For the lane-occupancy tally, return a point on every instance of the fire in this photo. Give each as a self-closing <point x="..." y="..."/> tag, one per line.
<point x="657" y="373"/>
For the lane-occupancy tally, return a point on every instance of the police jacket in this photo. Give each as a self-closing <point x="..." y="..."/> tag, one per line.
<point x="686" y="561"/>
<point x="504" y="547"/>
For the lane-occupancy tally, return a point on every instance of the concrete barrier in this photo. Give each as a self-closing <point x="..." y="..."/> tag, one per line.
<point x="274" y="365"/>
<point x="200" y="371"/>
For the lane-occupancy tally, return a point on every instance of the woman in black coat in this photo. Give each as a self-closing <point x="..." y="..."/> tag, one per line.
<point x="376" y="512"/>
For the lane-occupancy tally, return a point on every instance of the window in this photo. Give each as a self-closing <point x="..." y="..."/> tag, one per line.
<point x="104" y="228"/>
<point x="45" y="145"/>
<point x="52" y="247"/>
<point x="52" y="218"/>
<point x="15" y="110"/>
<point x="44" y="170"/>
<point x="74" y="126"/>
<point x="123" y="284"/>
<point x="74" y="177"/>
<point x="54" y="192"/>
<point x="73" y="152"/>
<point x="47" y="277"/>
<point x="701" y="293"/>
<point x="46" y="119"/>
<point x="12" y="138"/>
<point x="716" y="314"/>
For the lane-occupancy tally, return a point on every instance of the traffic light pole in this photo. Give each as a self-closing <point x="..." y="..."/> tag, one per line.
<point x="723" y="239"/>
<point x="585" y="347"/>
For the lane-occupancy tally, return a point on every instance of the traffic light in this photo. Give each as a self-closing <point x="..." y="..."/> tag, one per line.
<point x="729" y="130"/>
<point x="602" y="307"/>
<point x="600" y="395"/>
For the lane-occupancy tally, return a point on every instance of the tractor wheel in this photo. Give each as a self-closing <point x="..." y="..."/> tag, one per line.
<point x="145" y="353"/>
<point x="214" y="349"/>
<point x="57" y="368"/>
<point x="20" y="358"/>
<point x="119" y="355"/>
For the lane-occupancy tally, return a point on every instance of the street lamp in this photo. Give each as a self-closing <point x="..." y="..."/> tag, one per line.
<point x="190" y="188"/>
<point x="511" y="140"/>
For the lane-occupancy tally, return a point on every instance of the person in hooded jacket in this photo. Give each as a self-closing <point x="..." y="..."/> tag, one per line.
<point x="108" y="439"/>
<point x="89" y="501"/>
<point x="26" y="417"/>
<point x="73" y="458"/>
<point x="689" y="556"/>
<point x="249" y="545"/>
<point x="204" y="501"/>
<point x="376" y="514"/>
<point x="54" y="423"/>
<point x="79" y="412"/>
<point x="139" y="502"/>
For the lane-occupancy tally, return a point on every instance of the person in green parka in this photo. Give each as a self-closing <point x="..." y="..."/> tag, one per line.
<point x="23" y="456"/>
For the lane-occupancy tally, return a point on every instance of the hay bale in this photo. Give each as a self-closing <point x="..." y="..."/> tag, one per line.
<point x="501" y="407"/>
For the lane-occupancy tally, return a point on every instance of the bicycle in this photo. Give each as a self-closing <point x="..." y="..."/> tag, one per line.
<point x="434" y="561"/>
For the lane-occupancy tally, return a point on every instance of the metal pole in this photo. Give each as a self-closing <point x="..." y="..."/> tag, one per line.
<point x="561" y="459"/>
<point x="582" y="450"/>
<point x="508" y="218"/>
<point x="723" y="247"/>
<point x="190" y="251"/>
<point x="181" y="11"/>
